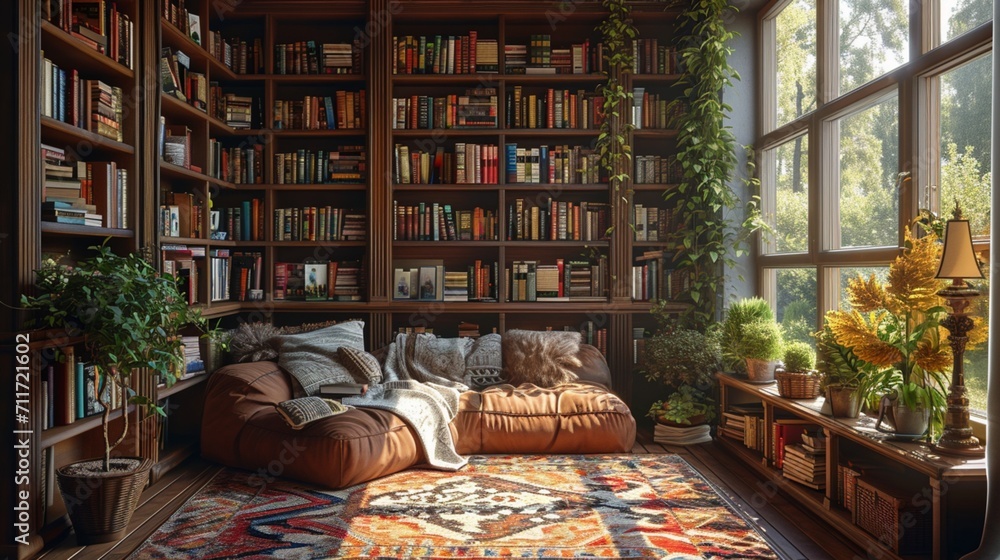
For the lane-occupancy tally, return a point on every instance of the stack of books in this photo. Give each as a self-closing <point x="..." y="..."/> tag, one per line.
<point x="235" y="110"/>
<point x="806" y="465"/>
<point x="192" y="358"/>
<point x="468" y="330"/>
<point x="670" y="435"/>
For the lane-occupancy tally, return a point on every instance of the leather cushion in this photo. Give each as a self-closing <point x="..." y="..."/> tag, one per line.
<point x="570" y="418"/>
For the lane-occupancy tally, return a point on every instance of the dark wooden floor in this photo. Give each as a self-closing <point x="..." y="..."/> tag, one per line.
<point x="791" y="531"/>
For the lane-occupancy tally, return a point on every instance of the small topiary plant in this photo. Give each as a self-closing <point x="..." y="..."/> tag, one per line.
<point x="739" y="314"/>
<point x="799" y="357"/>
<point x="761" y="340"/>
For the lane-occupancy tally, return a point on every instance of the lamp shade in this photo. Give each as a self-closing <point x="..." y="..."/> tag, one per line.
<point x="958" y="260"/>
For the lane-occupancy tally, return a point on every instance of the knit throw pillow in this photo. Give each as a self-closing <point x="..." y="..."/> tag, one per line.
<point x="361" y="364"/>
<point x="297" y="413"/>
<point x="311" y="358"/>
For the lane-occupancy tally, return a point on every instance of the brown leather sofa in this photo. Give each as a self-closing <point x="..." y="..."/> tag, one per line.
<point x="241" y="427"/>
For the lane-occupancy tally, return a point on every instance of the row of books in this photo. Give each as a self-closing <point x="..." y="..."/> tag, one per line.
<point x="82" y="192"/>
<point x="650" y="57"/>
<point x="181" y="262"/>
<point x="345" y="164"/>
<point x="237" y="111"/>
<point x="433" y="282"/>
<point x="340" y="111"/>
<point x="244" y="222"/>
<point x="553" y="164"/>
<point x="245" y="275"/>
<point x="557" y="220"/>
<point x="73" y="389"/>
<point x="193" y="364"/>
<point x="239" y="55"/>
<point x="654" y="110"/>
<point x="553" y="108"/>
<point x="311" y="57"/>
<point x="445" y="54"/>
<point x="656" y="169"/>
<point x="242" y="165"/>
<point x="565" y="280"/>
<point x="88" y="104"/>
<point x="467" y="163"/>
<point x="181" y="215"/>
<point x="327" y="281"/>
<point x="651" y="224"/>
<point x="654" y="277"/>
<point x="322" y="223"/>
<point x="477" y="108"/>
<point x="799" y="450"/>
<point x="177" y="79"/>
<point x="437" y="222"/>
<point x="539" y="57"/>
<point x="187" y="22"/>
<point x="745" y="423"/>
<point x="96" y="23"/>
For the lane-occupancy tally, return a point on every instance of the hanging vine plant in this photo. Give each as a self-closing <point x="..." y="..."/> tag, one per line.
<point x="617" y="32"/>
<point x="706" y="240"/>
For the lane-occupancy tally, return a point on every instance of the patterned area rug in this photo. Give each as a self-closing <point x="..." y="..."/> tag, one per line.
<point x="553" y="506"/>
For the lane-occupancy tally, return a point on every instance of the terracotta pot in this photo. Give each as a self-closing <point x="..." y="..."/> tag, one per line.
<point x="844" y="401"/>
<point x="101" y="504"/>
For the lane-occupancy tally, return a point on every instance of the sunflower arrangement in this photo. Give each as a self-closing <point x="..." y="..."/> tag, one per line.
<point x="895" y="326"/>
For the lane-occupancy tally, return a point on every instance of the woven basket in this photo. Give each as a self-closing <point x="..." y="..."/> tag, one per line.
<point x="100" y="507"/>
<point x="880" y="511"/>
<point x="798" y="385"/>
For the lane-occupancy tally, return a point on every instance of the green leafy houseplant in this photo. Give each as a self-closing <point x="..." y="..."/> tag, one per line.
<point x="683" y="406"/>
<point x="740" y="314"/>
<point x="707" y="239"/>
<point x="761" y="340"/>
<point x="799" y="357"/>
<point x="684" y="360"/>
<point x="130" y="316"/>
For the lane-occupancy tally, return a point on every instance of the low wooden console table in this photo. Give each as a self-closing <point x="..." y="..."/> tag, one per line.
<point x="951" y="490"/>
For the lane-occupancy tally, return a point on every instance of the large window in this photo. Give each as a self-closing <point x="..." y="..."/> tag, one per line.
<point x="880" y="110"/>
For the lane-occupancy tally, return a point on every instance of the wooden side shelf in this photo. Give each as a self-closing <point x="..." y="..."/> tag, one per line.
<point x="852" y="440"/>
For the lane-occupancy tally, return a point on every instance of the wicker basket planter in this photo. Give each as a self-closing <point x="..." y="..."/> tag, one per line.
<point x="796" y="385"/>
<point x="101" y="504"/>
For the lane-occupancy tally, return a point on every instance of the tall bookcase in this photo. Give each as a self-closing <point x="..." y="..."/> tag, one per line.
<point x="190" y="181"/>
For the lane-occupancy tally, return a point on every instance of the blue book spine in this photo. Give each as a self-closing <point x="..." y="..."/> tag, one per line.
<point x="245" y="221"/>
<point x="511" y="163"/>
<point x="331" y="121"/>
<point x="81" y="389"/>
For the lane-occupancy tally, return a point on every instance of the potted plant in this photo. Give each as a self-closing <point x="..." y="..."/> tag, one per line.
<point x="895" y="327"/>
<point x="760" y="344"/>
<point x="847" y="381"/>
<point x="130" y="316"/>
<point x="684" y="360"/>
<point x="739" y="314"/>
<point x="684" y="407"/>
<point x="214" y="347"/>
<point x="797" y="379"/>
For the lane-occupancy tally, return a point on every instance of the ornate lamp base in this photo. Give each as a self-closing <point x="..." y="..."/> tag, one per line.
<point x="967" y="447"/>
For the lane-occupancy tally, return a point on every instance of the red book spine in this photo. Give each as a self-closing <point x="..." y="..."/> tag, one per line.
<point x="472" y="51"/>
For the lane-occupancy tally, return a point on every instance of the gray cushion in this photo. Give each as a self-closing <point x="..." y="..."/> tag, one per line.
<point x="483" y="364"/>
<point x="311" y="358"/>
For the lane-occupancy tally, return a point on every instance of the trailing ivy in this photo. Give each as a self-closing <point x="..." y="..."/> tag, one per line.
<point x="617" y="32"/>
<point x="707" y="240"/>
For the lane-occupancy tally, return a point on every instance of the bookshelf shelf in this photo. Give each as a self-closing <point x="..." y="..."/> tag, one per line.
<point x="656" y="78"/>
<point x="174" y="108"/>
<point x="551" y="132"/>
<point x="176" y="39"/>
<point x="314" y="243"/>
<point x="446" y="132"/>
<point x="552" y="79"/>
<point x="653" y="187"/>
<point x="58" y="132"/>
<point x="58" y="434"/>
<point x="288" y="133"/>
<point x="481" y="80"/>
<point x="320" y="305"/>
<point x="220" y="309"/>
<point x="180" y="172"/>
<point x="163" y="391"/>
<point x="55" y="228"/>
<point x="654" y="133"/>
<point x="168" y="240"/>
<point x="435" y="244"/>
<point x="60" y="44"/>
<point x="557" y="244"/>
<point x="554" y="187"/>
<point x="426" y="187"/>
<point x="309" y="79"/>
<point x="293" y="187"/>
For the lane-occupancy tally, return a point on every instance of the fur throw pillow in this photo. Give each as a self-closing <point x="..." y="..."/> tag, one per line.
<point x="544" y="358"/>
<point x="254" y="342"/>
